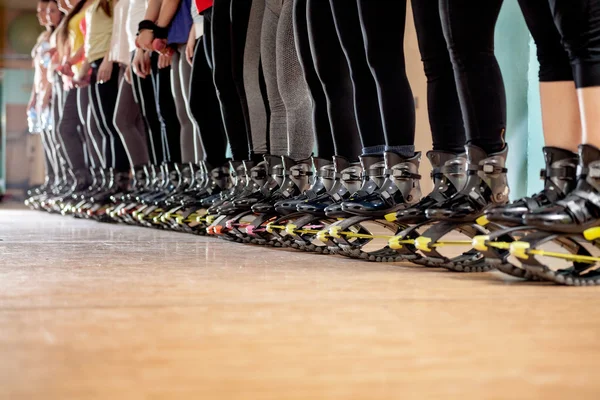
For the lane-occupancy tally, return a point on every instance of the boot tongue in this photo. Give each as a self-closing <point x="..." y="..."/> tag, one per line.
<point x="588" y="154"/>
<point x="235" y="164"/>
<point x="392" y="159"/>
<point x="439" y="158"/>
<point x="288" y="162"/>
<point x="272" y="160"/>
<point x="554" y="154"/>
<point x="588" y="168"/>
<point x="475" y="154"/>
<point x="340" y="163"/>
<point x="249" y="164"/>
<point x="373" y="173"/>
<point x="367" y="161"/>
<point x="319" y="163"/>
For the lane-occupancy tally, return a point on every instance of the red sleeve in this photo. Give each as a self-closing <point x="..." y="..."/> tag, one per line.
<point x="203" y="4"/>
<point x="82" y="26"/>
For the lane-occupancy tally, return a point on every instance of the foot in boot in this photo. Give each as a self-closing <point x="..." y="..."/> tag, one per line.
<point x="373" y="176"/>
<point x="580" y="209"/>
<point x="296" y="180"/>
<point x="232" y="180"/>
<point x="560" y="178"/>
<point x="321" y="184"/>
<point x="348" y="180"/>
<point x="486" y="187"/>
<point x="262" y="179"/>
<point x="400" y="188"/>
<point x="449" y="176"/>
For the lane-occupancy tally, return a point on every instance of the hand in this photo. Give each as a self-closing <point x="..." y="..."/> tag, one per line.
<point x="83" y="70"/>
<point x="105" y="71"/>
<point x="191" y="44"/>
<point x="164" y="61"/>
<point x="51" y="52"/>
<point x="46" y="99"/>
<point x="145" y="39"/>
<point x="67" y="83"/>
<point x="82" y="80"/>
<point x="128" y="74"/>
<point x="32" y="102"/>
<point x="85" y="74"/>
<point x="141" y="63"/>
<point x="65" y="69"/>
<point x="159" y="45"/>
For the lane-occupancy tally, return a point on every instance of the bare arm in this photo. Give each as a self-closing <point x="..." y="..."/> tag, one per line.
<point x="146" y="36"/>
<point x="153" y="10"/>
<point x="168" y="10"/>
<point x="77" y="57"/>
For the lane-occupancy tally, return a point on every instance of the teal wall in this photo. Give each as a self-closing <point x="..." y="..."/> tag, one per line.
<point x="512" y="51"/>
<point x="516" y="55"/>
<point x="15" y="88"/>
<point x="535" y="137"/>
<point x="2" y="141"/>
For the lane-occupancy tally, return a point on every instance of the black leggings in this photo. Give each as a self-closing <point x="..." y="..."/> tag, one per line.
<point x="578" y="22"/>
<point x="331" y="80"/>
<point x="227" y="51"/>
<point x="567" y="35"/>
<point x="92" y="135"/>
<point x="551" y="54"/>
<point x="171" y="140"/>
<point x="145" y="95"/>
<point x="443" y="106"/>
<point x="205" y="108"/>
<point x="383" y="32"/>
<point x="469" y="30"/>
<point x="103" y="100"/>
<point x="366" y="102"/>
<point x="320" y="117"/>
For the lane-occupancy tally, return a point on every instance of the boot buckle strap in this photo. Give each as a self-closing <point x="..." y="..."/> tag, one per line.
<point x="278" y="170"/>
<point x="591" y="197"/>
<point x="453" y="169"/>
<point x="488" y="169"/>
<point x="219" y="174"/>
<point x="582" y="172"/>
<point x="376" y="172"/>
<point x="262" y="174"/>
<point x="297" y="173"/>
<point x="594" y="171"/>
<point x="560" y="172"/>
<point x="436" y="172"/>
<point x="350" y="177"/>
<point x="400" y="173"/>
<point x="327" y="174"/>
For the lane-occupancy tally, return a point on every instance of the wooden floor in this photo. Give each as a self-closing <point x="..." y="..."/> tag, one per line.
<point x="89" y="310"/>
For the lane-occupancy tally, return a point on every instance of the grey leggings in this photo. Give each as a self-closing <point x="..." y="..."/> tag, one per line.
<point x="70" y="132"/>
<point x="129" y="123"/>
<point x="291" y="128"/>
<point x="257" y="107"/>
<point x="181" y="71"/>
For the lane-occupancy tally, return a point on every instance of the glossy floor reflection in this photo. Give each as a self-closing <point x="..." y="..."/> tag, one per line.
<point x="90" y="310"/>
